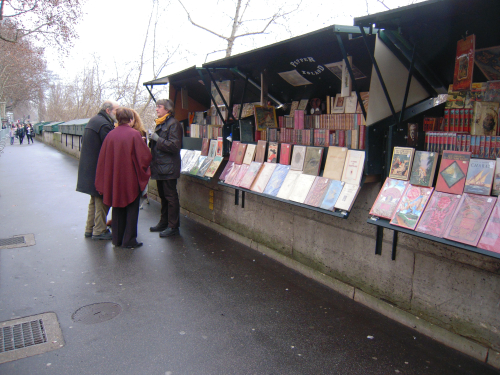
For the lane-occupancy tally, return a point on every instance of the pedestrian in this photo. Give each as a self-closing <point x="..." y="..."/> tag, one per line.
<point x="94" y="134"/>
<point x="20" y="133"/>
<point x="29" y="129"/>
<point x="165" y="144"/>
<point x="12" y="134"/>
<point x="123" y="170"/>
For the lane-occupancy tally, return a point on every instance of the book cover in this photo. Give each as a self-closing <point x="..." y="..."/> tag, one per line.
<point x="272" y="152"/>
<point x="424" y="168"/>
<point x="247" y="180"/>
<point x="288" y="184"/>
<point x="301" y="188"/>
<point x="242" y="148"/>
<point x="496" y="179"/>
<point x="263" y="177"/>
<point x="286" y="149"/>
<point x="219" y="147"/>
<point x="402" y="158"/>
<point x="412" y="138"/>
<point x="192" y="161"/>
<point x="189" y="154"/>
<point x="365" y="97"/>
<point x="293" y="107"/>
<point x="411" y="206"/>
<point x="197" y="165"/>
<point x="353" y="167"/>
<point x="469" y="219"/>
<point x="490" y="239"/>
<point x="249" y="154"/>
<point x="464" y="63"/>
<point x="347" y="197"/>
<point x="234" y="150"/>
<point x="276" y="180"/>
<point x="312" y="161"/>
<point x="298" y="157"/>
<point x="265" y="117"/>
<point x="492" y="91"/>
<point x="204" y="147"/>
<point x="485" y="118"/>
<point x="346" y="86"/>
<point x="260" y="152"/>
<point x="317" y="191"/>
<point x="438" y="213"/>
<point x="213" y="166"/>
<point x="246" y="130"/>
<point x="480" y="175"/>
<point x="332" y="194"/>
<point x="388" y="198"/>
<point x="334" y="164"/>
<point x="452" y="172"/>
<point x="225" y="171"/>
<point x="302" y="104"/>
<point x="232" y="174"/>
<point x="339" y="105"/>
<point x="239" y="176"/>
<point x="212" y="151"/>
<point x="350" y="103"/>
<point x="487" y="59"/>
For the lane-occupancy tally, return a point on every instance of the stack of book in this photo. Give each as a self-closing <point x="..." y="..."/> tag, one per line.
<point x="458" y="206"/>
<point x="204" y="163"/>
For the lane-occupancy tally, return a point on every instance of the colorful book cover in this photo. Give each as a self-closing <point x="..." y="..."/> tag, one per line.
<point x="452" y="172"/>
<point x="312" y="162"/>
<point x="276" y="180"/>
<point x="464" y="64"/>
<point x="347" y="197"/>
<point x="197" y="165"/>
<point x="485" y="118"/>
<point x="301" y="188"/>
<point x="411" y="206"/>
<point x="265" y="117"/>
<point x="490" y="239"/>
<point x="317" y="192"/>
<point x="492" y="91"/>
<point x="212" y="151"/>
<point x="242" y="148"/>
<point x="192" y="161"/>
<point x="263" y="177"/>
<point x="469" y="219"/>
<point x="234" y="151"/>
<point x="488" y="60"/>
<point x="402" y="158"/>
<point x="438" y="213"/>
<point x="335" y="160"/>
<point x="424" y="168"/>
<point x="480" y="175"/>
<point x="353" y="167"/>
<point x="298" y="157"/>
<point x="288" y="184"/>
<point x="232" y="174"/>
<point x="249" y="154"/>
<point x="286" y="149"/>
<point x="204" y="147"/>
<point x="226" y="170"/>
<point x="332" y="194"/>
<point x="496" y="179"/>
<point x="241" y="173"/>
<point x="250" y="175"/>
<point x="261" y="151"/>
<point x="388" y="198"/>
<point x="272" y="152"/>
<point x="213" y="166"/>
<point x="339" y="105"/>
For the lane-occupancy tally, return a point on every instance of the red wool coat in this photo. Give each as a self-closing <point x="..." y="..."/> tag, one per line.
<point x="123" y="167"/>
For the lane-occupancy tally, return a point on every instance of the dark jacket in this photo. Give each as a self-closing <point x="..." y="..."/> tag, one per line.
<point x="93" y="136"/>
<point x="166" y="163"/>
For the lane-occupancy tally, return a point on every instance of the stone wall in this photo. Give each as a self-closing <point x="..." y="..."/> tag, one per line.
<point x="67" y="143"/>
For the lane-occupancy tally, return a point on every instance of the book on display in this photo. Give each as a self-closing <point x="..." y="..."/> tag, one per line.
<point x="317" y="191"/>
<point x="250" y="175"/>
<point x="388" y="198"/>
<point x="298" y="157"/>
<point x="232" y="174"/>
<point x="263" y="177"/>
<point x="402" y="158"/>
<point x="276" y="180"/>
<point x="353" y="167"/>
<point x="490" y="239"/>
<point x="334" y="165"/>
<point x="424" y="168"/>
<point x="226" y="170"/>
<point x="242" y="148"/>
<point x="288" y="184"/>
<point x="411" y="206"/>
<point x="286" y="149"/>
<point x="241" y="173"/>
<point x="347" y="197"/>
<point x="272" y="152"/>
<point x="213" y="166"/>
<point x="438" y="213"/>
<point x="212" y="151"/>
<point x="312" y="161"/>
<point x="452" y="172"/>
<point x="234" y="150"/>
<point x="260" y="151"/>
<point x="332" y="194"/>
<point x="197" y="165"/>
<point x="480" y="175"/>
<point x="192" y="161"/>
<point x="204" y="147"/>
<point x="249" y="154"/>
<point x="301" y="188"/>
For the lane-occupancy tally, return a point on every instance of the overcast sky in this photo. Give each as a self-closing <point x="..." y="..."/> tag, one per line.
<point x="113" y="30"/>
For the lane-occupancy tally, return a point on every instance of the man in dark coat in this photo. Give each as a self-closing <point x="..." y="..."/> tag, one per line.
<point x="94" y="134"/>
<point x="122" y="174"/>
<point x="166" y="143"/>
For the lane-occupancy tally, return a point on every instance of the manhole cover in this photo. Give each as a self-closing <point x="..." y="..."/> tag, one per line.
<point x="12" y="241"/>
<point x="17" y="241"/>
<point x="96" y="313"/>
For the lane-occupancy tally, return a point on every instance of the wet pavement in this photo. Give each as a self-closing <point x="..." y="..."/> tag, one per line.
<point x="198" y="303"/>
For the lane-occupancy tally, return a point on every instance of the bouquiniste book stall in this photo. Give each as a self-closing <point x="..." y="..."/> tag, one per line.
<point x="449" y="194"/>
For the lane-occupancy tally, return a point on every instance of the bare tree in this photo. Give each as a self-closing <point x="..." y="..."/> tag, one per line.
<point x="238" y="22"/>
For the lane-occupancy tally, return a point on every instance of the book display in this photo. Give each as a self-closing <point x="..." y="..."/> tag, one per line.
<point x="388" y="198"/>
<point x="317" y="191"/>
<point x="402" y="159"/>
<point x="411" y="206"/>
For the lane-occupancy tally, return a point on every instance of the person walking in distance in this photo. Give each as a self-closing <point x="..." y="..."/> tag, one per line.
<point x="20" y="133"/>
<point x="12" y="134"/>
<point x="94" y="134"/>
<point x="165" y="144"/>
<point x="29" y="129"/>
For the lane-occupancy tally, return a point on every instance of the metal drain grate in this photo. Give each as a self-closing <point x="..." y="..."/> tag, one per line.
<point x="12" y="241"/>
<point x="22" y="335"/>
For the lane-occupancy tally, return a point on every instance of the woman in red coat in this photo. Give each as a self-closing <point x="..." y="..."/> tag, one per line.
<point x="122" y="174"/>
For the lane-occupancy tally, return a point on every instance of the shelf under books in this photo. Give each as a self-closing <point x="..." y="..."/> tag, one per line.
<point x="341" y="214"/>
<point x="385" y="224"/>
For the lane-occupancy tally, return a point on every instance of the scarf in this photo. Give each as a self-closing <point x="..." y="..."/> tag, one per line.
<point x="161" y="120"/>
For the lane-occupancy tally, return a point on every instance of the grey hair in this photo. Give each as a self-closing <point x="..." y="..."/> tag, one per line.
<point x="108" y="104"/>
<point x="167" y="104"/>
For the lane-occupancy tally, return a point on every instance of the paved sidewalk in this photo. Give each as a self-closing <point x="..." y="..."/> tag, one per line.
<point x="199" y="303"/>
